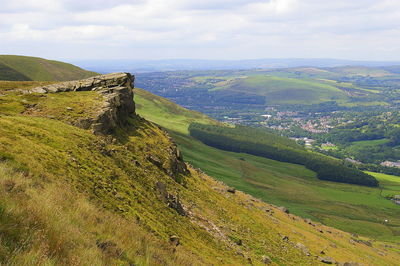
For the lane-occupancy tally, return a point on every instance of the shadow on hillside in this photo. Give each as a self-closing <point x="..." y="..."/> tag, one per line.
<point x="136" y="126"/>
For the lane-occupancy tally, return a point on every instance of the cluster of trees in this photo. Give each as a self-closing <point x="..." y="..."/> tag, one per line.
<point x="394" y="136"/>
<point x="265" y="144"/>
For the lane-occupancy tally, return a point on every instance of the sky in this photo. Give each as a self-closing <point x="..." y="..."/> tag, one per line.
<point x="201" y="29"/>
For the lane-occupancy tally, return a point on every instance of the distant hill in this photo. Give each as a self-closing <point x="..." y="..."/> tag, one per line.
<point x="285" y="90"/>
<point x="130" y="65"/>
<point x="23" y="68"/>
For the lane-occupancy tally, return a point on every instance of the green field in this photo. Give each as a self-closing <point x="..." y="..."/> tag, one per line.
<point x="351" y="208"/>
<point x="286" y="90"/>
<point x="20" y="68"/>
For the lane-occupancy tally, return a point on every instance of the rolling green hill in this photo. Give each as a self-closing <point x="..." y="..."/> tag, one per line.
<point x="351" y="208"/>
<point x="71" y="197"/>
<point x="20" y="68"/>
<point x="280" y="90"/>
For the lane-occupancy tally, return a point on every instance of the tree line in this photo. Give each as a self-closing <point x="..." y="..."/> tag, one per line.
<point x="259" y="142"/>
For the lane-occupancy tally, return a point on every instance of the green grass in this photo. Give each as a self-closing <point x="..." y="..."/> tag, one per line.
<point x="160" y="110"/>
<point x="351" y="208"/>
<point x="12" y="85"/>
<point x="286" y="90"/>
<point x="74" y="191"/>
<point x="390" y="184"/>
<point x="78" y="190"/>
<point x="20" y="68"/>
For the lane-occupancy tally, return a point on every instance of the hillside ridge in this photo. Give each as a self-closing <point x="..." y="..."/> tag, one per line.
<point x="137" y="177"/>
<point x="27" y="68"/>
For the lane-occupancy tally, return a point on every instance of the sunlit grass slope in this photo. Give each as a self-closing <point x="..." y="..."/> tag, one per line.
<point x="19" y="68"/>
<point x="351" y="208"/>
<point x="160" y="110"/>
<point x="69" y="197"/>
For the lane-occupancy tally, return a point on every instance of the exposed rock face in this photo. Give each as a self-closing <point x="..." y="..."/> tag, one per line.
<point x="89" y="84"/>
<point x="117" y="91"/>
<point x="171" y="200"/>
<point x="178" y="166"/>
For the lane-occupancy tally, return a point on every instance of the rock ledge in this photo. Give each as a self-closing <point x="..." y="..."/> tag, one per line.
<point x="117" y="90"/>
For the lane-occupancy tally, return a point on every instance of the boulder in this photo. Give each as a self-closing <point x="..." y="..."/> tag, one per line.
<point x="327" y="260"/>
<point x="231" y="190"/>
<point x="176" y="204"/>
<point x="284" y="209"/>
<point x="266" y="260"/>
<point x="303" y="248"/>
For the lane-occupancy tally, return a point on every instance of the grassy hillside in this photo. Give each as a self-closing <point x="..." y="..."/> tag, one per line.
<point x="69" y="197"/>
<point x="159" y="110"/>
<point x="286" y="90"/>
<point x="19" y="68"/>
<point x="351" y="208"/>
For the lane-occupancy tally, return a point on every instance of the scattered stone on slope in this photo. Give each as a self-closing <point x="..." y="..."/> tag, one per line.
<point x="360" y="241"/>
<point x="303" y="248"/>
<point x="177" y="165"/>
<point x="231" y="190"/>
<point x="155" y="160"/>
<point x="308" y="221"/>
<point x="266" y="260"/>
<point x="171" y="200"/>
<point x="176" y="204"/>
<point x="327" y="260"/>
<point x="284" y="209"/>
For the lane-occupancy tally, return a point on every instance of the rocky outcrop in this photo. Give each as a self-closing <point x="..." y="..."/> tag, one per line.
<point x="171" y="200"/>
<point x="118" y="103"/>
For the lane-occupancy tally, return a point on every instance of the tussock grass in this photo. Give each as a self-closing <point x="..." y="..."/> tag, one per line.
<point x="50" y="223"/>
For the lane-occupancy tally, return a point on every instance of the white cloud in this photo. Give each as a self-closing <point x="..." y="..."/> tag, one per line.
<point x="358" y="29"/>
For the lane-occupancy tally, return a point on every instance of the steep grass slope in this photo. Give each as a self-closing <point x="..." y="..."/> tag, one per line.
<point x="19" y="68"/>
<point x="351" y="208"/>
<point x="160" y="110"/>
<point x="69" y="197"/>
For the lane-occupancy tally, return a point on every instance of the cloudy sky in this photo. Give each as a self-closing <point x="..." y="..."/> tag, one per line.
<point x="207" y="29"/>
